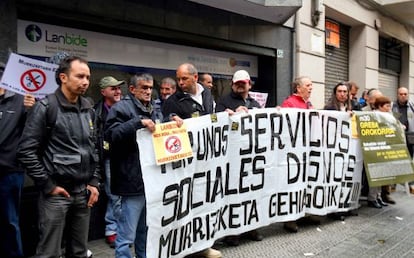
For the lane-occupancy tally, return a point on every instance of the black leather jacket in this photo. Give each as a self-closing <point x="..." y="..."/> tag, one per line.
<point x="68" y="157"/>
<point x="123" y="120"/>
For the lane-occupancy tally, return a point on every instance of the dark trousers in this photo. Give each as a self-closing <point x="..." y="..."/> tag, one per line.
<point x="56" y="212"/>
<point x="11" y="185"/>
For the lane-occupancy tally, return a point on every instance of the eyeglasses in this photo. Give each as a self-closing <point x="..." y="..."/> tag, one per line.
<point x="144" y="88"/>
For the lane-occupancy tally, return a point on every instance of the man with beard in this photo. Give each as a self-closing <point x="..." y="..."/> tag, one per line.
<point x="239" y="100"/>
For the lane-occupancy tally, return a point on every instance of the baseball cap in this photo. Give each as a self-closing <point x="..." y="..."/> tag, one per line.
<point x="241" y="75"/>
<point x="109" y="81"/>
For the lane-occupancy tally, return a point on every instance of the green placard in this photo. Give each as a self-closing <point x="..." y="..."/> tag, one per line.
<point x="386" y="158"/>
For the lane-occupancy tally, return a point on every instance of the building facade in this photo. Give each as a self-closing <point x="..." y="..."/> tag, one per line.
<point x="369" y="42"/>
<point x="130" y="36"/>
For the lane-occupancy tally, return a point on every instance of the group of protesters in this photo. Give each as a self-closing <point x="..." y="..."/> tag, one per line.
<point x="69" y="146"/>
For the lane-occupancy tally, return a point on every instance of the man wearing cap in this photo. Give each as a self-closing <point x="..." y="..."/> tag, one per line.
<point x="238" y="99"/>
<point x="111" y="93"/>
<point x="12" y="118"/>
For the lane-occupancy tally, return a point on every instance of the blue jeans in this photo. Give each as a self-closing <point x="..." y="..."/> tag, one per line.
<point x="11" y="185"/>
<point x="132" y="227"/>
<point x="114" y="204"/>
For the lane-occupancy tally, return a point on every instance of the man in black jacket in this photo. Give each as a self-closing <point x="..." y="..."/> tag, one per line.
<point x="191" y="99"/>
<point x="239" y="100"/>
<point x="61" y="158"/>
<point x="12" y="118"/>
<point x="133" y="112"/>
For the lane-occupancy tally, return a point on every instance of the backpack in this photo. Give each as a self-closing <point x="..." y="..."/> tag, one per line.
<point x="52" y="106"/>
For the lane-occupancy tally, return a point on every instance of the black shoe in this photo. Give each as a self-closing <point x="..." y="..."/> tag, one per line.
<point x="232" y="240"/>
<point x="291" y="226"/>
<point x="386" y="198"/>
<point x="374" y="204"/>
<point x="381" y="202"/>
<point x="255" y="235"/>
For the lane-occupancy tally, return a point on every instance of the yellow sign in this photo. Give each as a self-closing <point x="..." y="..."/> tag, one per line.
<point x="171" y="143"/>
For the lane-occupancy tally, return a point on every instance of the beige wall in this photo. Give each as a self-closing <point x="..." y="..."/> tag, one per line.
<point x="364" y="45"/>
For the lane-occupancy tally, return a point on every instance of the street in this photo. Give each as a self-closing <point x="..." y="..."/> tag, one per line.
<point x="369" y="232"/>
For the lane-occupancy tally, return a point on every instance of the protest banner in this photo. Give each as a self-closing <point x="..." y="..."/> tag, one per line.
<point x="386" y="158"/>
<point x="248" y="171"/>
<point x="25" y="75"/>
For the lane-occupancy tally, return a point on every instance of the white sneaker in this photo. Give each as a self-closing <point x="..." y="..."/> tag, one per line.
<point x="89" y="254"/>
<point x="211" y="253"/>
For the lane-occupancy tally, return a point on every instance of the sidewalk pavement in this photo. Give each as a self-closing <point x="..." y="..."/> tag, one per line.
<point x="371" y="232"/>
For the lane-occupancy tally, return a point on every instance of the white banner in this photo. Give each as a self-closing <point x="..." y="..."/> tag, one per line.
<point x="26" y="75"/>
<point x="248" y="171"/>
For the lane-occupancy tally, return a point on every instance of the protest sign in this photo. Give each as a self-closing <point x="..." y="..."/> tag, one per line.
<point x="260" y="97"/>
<point x="25" y="75"/>
<point x="247" y="171"/>
<point x="386" y="157"/>
<point x="171" y="143"/>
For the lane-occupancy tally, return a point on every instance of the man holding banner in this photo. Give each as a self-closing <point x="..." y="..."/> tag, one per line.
<point x="134" y="112"/>
<point x="302" y="89"/>
<point x="239" y="100"/>
<point x="191" y="100"/>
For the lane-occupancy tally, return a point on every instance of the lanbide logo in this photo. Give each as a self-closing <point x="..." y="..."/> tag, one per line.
<point x="33" y="33"/>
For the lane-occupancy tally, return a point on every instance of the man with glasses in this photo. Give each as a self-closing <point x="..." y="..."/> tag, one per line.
<point x="133" y="112"/>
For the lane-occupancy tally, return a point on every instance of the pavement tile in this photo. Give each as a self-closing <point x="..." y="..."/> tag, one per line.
<point x="385" y="232"/>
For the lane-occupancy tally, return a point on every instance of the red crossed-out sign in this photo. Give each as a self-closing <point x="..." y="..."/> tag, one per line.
<point x="33" y="80"/>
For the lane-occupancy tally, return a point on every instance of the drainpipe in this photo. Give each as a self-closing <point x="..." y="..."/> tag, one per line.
<point x="295" y="48"/>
